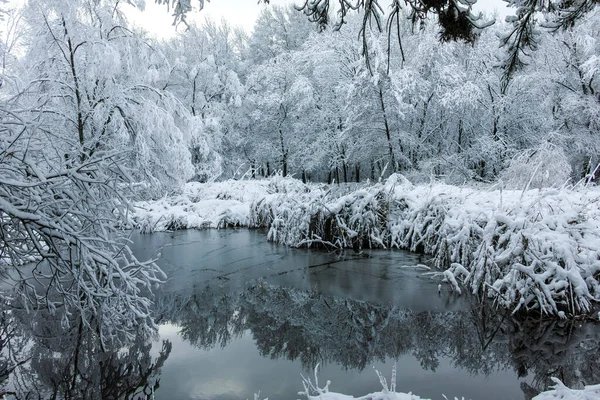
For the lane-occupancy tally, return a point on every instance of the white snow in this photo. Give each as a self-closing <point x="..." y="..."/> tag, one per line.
<point x="560" y="391"/>
<point x="210" y="205"/>
<point x="312" y="391"/>
<point x="535" y="250"/>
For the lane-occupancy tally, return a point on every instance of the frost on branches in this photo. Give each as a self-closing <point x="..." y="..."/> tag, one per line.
<point x="60" y="245"/>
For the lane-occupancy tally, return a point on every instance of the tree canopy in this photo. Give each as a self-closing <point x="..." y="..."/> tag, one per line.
<point x="456" y="20"/>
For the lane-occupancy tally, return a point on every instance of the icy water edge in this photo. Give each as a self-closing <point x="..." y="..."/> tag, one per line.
<point x="239" y="315"/>
<point x="244" y="315"/>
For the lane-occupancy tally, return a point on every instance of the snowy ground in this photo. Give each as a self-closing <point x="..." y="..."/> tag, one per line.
<point x="529" y="251"/>
<point x="312" y="391"/>
<point x="212" y="205"/>
<point x="560" y="392"/>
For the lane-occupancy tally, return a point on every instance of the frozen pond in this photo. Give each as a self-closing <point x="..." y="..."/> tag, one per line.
<point x="244" y="316"/>
<point x="239" y="315"/>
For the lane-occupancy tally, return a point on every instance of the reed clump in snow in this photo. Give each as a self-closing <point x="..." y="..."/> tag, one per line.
<point x="536" y="250"/>
<point x="313" y="391"/>
<point x="529" y="250"/>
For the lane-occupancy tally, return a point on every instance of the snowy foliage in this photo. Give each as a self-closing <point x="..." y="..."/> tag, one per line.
<point x="95" y="114"/>
<point x="96" y="81"/>
<point x="533" y="250"/>
<point x="312" y="391"/>
<point x="545" y="166"/>
<point x="212" y="205"/>
<point x="59" y="234"/>
<point x="560" y="391"/>
<point x="80" y="128"/>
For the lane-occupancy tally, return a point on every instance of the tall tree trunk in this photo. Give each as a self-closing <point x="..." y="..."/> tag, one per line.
<point x="494" y="113"/>
<point x="460" y="135"/>
<point x="372" y="171"/>
<point x="284" y="164"/>
<point x="78" y="95"/>
<point x="387" y="130"/>
<point x="415" y="153"/>
<point x="194" y="94"/>
<point x="357" y="172"/>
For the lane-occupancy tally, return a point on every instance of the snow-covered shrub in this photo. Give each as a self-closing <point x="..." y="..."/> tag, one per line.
<point x="311" y="217"/>
<point x="312" y="391"/>
<point x="532" y="251"/>
<point x="535" y="250"/>
<point x="560" y="391"/>
<point x="544" y="166"/>
<point x="201" y="206"/>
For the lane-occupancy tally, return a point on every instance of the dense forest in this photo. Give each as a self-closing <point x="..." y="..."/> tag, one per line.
<point x="216" y="102"/>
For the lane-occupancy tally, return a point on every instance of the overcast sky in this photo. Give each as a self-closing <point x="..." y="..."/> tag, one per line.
<point x="157" y="20"/>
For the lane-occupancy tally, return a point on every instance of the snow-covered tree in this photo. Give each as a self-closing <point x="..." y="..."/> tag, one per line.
<point x="280" y="96"/>
<point x="205" y="76"/>
<point x="82" y="124"/>
<point x="96" y="80"/>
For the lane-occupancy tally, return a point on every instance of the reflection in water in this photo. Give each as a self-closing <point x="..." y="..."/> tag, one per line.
<point x="315" y="328"/>
<point x="41" y="359"/>
<point x="309" y="307"/>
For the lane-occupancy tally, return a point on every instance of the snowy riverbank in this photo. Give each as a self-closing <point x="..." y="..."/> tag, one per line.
<point x="529" y="251"/>
<point x="313" y="391"/>
<point x="559" y="391"/>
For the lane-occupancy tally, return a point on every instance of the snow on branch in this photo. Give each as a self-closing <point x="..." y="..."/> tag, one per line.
<point x="60" y="240"/>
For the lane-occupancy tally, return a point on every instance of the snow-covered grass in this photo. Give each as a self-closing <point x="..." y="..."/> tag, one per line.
<point x="535" y="250"/>
<point x="214" y="205"/>
<point x="312" y="391"/>
<point x="560" y="391"/>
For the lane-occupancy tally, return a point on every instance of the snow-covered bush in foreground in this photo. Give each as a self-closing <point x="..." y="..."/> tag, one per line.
<point x="61" y="246"/>
<point x="528" y="250"/>
<point x="534" y="250"/>
<point x="312" y="391"/>
<point x="562" y="392"/>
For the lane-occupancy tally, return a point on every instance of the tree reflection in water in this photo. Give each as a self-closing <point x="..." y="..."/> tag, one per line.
<point x="39" y="356"/>
<point x="42" y="359"/>
<point x="315" y="328"/>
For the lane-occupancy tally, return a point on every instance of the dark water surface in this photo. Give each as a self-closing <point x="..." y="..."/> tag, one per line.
<point x="244" y="316"/>
<point x="239" y="315"/>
